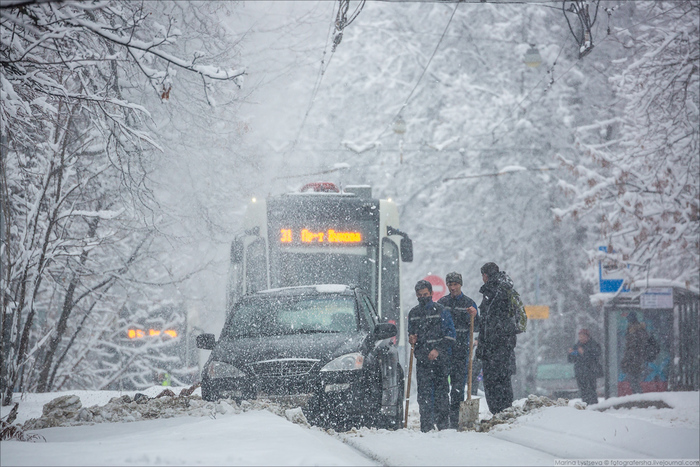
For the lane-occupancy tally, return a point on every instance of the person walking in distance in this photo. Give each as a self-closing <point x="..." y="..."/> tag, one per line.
<point x="497" y="338"/>
<point x="431" y="330"/>
<point x="634" y="360"/>
<point x="585" y="356"/>
<point x="461" y="308"/>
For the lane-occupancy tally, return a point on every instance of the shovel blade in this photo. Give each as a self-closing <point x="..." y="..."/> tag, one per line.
<point x="468" y="414"/>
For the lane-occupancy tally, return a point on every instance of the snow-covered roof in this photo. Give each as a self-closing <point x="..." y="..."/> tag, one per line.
<point x="639" y="287"/>
<point x="319" y="288"/>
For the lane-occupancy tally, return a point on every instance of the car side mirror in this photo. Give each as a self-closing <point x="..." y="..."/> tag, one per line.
<point x="384" y="331"/>
<point x="406" y="250"/>
<point x="206" y="341"/>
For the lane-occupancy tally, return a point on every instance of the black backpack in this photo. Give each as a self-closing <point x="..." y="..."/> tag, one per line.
<point x="517" y="311"/>
<point x="651" y="349"/>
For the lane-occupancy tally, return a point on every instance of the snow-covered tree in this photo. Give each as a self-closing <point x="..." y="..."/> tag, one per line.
<point x="473" y="171"/>
<point x="638" y="178"/>
<point x="76" y="158"/>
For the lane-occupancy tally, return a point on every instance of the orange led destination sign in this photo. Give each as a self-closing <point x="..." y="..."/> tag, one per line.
<point x="324" y="236"/>
<point x="139" y="333"/>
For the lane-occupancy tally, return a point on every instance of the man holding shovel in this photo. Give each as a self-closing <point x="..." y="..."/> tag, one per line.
<point x="462" y="309"/>
<point x="432" y="333"/>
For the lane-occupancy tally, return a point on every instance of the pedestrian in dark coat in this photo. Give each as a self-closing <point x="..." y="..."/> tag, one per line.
<point x="634" y="360"/>
<point x="431" y="330"/>
<point x="461" y="308"/>
<point x="585" y="355"/>
<point x="497" y="338"/>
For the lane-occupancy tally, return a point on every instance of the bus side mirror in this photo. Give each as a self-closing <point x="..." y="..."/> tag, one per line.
<point x="406" y="246"/>
<point x="406" y="250"/>
<point x="237" y="251"/>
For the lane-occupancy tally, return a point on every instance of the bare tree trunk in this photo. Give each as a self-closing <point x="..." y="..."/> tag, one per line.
<point x="68" y="305"/>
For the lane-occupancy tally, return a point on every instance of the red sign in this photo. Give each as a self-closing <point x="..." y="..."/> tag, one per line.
<point x="439" y="286"/>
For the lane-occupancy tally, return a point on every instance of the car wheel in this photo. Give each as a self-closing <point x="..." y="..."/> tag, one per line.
<point x="395" y="422"/>
<point x="379" y="420"/>
<point x="208" y="394"/>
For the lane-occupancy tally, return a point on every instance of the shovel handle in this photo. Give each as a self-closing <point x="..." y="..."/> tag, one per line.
<point x="408" y="386"/>
<point x="471" y="351"/>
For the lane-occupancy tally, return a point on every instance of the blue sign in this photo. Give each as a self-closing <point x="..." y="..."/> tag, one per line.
<point x="609" y="276"/>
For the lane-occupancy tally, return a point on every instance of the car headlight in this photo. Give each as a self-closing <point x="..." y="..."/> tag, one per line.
<point x="351" y="361"/>
<point x="223" y="370"/>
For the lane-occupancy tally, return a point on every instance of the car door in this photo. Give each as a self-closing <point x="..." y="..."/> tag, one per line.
<point x="385" y="352"/>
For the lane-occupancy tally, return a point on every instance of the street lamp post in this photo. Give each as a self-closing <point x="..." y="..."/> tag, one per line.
<point x="400" y="129"/>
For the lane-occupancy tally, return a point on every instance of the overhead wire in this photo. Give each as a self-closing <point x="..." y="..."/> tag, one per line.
<point x="317" y="83"/>
<point x="407" y="100"/>
<point x="425" y="68"/>
<point x="554" y="80"/>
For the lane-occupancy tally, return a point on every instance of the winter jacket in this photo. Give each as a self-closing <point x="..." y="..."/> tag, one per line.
<point x="496" y="327"/>
<point x="435" y="330"/>
<point x="587" y="364"/>
<point x="457" y="307"/>
<point x="634" y="360"/>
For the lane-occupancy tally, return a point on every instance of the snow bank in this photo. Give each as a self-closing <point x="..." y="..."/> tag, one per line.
<point x="680" y="409"/>
<point x="68" y="410"/>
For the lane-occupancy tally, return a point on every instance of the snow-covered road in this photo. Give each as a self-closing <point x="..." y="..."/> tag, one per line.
<point x="259" y="437"/>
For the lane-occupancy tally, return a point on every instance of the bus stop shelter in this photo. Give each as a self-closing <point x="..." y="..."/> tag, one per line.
<point x="670" y="314"/>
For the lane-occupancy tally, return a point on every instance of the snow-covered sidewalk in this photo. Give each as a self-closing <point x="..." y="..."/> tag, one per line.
<point x="259" y="437"/>
<point x="250" y="438"/>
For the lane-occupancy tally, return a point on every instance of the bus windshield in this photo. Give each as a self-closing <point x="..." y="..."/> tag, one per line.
<point x="350" y="266"/>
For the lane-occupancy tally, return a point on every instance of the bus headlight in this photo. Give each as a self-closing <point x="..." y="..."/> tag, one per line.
<point x="218" y="370"/>
<point x="351" y="361"/>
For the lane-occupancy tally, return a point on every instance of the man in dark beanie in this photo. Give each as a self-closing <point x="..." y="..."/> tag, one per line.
<point x="497" y="338"/>
<point x="431" y="330"/>
<point x="462" y="308"/>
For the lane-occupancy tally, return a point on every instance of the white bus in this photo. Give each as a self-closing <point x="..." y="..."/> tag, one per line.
<point x="322" y="235"/>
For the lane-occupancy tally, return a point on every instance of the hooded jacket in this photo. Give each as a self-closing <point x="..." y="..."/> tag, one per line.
<point x="497" y="337"/>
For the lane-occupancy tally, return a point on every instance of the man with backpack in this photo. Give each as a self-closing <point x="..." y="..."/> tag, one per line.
<point x="497" y="337"/>
<point x="462" y="308"/>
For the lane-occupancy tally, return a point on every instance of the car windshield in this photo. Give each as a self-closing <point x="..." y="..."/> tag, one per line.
<point x="292" y="315"/>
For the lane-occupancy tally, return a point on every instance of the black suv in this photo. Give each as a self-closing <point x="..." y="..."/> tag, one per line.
<point x="322" y="345"/>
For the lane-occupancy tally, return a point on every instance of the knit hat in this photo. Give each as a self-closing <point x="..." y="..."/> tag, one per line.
<point x="454" y="277"/>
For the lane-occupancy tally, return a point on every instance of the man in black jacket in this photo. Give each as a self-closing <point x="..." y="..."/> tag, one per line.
<point x="585" y="356"/>
<point x="461" y="308"/>
<point x="497" y="338"/>
<point x="431" y="330"/>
